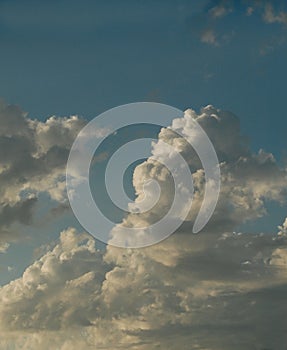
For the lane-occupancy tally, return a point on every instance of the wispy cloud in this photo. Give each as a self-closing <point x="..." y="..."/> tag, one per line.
<point x="221" y="10"/>
<point x="270" y="16"/>
<point x="249" y="10"/>
<point x="209" y="37"/>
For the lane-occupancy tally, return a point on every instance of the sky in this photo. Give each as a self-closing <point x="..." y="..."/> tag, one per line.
<point x="72" y="57"/>
<point x="224" y="64"/>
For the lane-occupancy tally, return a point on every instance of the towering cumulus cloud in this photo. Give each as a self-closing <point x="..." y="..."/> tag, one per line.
<point x="247" y="179"/>
<point x="215" y="290"/>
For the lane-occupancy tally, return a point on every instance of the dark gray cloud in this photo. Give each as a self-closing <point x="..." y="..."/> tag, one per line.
<point x="20" y="212"/>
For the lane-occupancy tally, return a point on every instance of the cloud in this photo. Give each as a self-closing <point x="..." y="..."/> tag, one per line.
<point x="221" y="10"/>
<point x="20" y="212"/>
<point x="268" y="10"/>
<point x="216" y="290"/>
<point x="33" y="153"/>
<point x="249" y="10"/>
<point x="270" y="16"/>
<point x="283" y="229"/>
<point x="248" y="179"/>
<point x="206" y="290"/>
<point x="210" y="30"/>
<point x="3" y="247"/>
<point x="209" y="37"/>
<point x="33" y="156"/>
<point x="33" y="159"/>
<point x="59" y="277"/>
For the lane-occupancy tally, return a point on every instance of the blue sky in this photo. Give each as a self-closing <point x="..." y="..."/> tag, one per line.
<point x="84" y="57"/>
